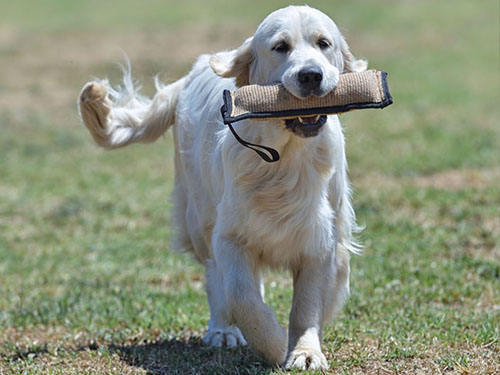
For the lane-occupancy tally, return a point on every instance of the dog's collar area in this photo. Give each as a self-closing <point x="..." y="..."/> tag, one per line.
<point x="308" y="129"/>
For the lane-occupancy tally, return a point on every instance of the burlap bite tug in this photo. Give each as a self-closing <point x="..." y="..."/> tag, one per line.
<point x="354" y="91"/>
<point x="361" y="90"/>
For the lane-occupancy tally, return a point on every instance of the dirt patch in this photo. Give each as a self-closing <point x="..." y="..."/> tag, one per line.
<point x="375" y="181"/>
<point x="449" y="180"/>
<point x="453" y="180"/>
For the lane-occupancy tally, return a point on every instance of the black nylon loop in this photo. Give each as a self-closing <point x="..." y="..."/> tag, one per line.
<point x="275" y="156"/>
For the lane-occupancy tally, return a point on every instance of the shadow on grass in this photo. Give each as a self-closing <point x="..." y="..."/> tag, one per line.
<point x="190" y="357"/>
<point x="24" y="355"/>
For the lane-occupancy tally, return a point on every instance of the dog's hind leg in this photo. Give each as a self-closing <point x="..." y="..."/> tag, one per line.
<point x="244" y="302"/>
<point x="320" y="287"/>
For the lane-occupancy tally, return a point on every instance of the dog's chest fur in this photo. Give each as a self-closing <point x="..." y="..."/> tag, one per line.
<point x="285" y="212"/>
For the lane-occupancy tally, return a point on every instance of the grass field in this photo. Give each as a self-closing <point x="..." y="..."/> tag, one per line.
<point x="87" y="281"/>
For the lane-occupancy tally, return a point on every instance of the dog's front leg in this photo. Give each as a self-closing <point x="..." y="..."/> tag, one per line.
<point x="253" y="317"/>
<point x="315" y="293"/>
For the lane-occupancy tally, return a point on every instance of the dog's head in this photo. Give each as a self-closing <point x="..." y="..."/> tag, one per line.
<point x="297" y="46"/>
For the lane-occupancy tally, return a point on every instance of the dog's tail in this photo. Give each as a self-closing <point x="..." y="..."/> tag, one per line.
<point x="346" y="224"/>
<point x="118" y="117"/>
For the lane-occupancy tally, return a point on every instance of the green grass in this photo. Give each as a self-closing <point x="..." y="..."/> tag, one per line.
<point x="87" y="281"/>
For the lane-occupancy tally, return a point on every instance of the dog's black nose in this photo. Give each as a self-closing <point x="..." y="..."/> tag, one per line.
<point x="310" y="77"/>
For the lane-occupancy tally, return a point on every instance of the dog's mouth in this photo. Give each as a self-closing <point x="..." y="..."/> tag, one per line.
<point x="306" y="126"/>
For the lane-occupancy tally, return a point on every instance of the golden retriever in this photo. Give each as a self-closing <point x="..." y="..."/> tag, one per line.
<point x="238" y="214"/>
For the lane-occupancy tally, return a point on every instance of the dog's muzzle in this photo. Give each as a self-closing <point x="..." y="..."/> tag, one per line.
<point x="306" y="127"/>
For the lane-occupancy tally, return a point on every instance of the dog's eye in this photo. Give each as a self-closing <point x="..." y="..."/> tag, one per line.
<point x="323" y="44"/>
<point x="281" y="47"/>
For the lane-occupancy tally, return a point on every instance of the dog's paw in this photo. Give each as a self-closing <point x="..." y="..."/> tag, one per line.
<point x="230" y="337"/>
<point x="305" y="359"/>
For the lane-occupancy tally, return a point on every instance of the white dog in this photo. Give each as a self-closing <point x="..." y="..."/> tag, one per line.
<point x="237" y="213"/>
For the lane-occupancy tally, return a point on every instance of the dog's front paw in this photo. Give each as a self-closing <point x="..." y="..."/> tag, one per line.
<point x="230" y="337"/>
<point x="306" y="359"/>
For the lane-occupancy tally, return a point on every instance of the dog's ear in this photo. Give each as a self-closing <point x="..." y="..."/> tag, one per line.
<point x="351" y="64"/>
<point x="238" y="67"/>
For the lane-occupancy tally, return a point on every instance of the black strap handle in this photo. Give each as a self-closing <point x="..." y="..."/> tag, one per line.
<point x="275" y="156"/>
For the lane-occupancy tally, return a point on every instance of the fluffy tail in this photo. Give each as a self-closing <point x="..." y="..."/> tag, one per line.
<point x="347" y="227"/>
<point x="116" y="118"/>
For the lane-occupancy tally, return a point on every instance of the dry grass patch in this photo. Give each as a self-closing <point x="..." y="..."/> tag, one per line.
<point x="453" y="180"/>
<point x="44" y="350"/>
<point x="81" y="362"/>
<point x="447" y="180"/>
<point x="371" y="357"/>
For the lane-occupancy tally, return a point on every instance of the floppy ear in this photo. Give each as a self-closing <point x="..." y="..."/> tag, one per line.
<point x="351" y="64"/>
<point x="238" y="67"/>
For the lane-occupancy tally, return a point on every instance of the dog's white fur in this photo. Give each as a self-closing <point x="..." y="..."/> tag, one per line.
<point x="236" y="213"/>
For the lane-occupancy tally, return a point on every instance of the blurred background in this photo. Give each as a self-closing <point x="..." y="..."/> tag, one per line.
<point x="87" y="280"/>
